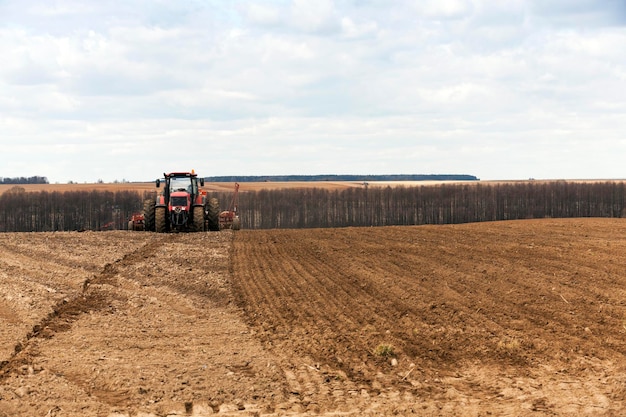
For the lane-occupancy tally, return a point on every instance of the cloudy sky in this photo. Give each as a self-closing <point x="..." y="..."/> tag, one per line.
<point x="117" y="90"/>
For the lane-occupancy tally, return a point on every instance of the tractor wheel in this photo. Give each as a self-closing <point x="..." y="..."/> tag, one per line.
<point x="198" y="219"/>
<point x="160" y="220"/>
<point x="130" y="225"/>
<point x="148" y="214"/>
<point x="236" y="223"/>
<point x="212" y="210"/>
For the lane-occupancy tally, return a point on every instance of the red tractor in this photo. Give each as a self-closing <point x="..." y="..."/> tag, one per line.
<point x="182" y="206"/>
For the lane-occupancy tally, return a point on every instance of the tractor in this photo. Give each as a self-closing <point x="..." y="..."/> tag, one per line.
<point x="182" y="206"/>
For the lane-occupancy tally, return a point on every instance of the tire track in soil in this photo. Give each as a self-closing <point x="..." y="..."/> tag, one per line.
<point x="70" y="309"/>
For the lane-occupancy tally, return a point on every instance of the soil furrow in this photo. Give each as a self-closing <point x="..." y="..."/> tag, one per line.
<point x="444" y="298"/>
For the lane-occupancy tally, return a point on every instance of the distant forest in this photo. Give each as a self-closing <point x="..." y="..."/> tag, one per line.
<point x="24" y="180"/>
<point x="287" y="178"/>
<point x="22" y="211"/>
<point x="360" y="178"/>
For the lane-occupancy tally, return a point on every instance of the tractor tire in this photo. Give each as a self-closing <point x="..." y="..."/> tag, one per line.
<point x="160" y="219"/>
<point x="212" y="211"/>
<point x="148" y="214"/>
<point x="130" y="225"/>
<point x="236" y="223"/>
<point x="198" y="219"/>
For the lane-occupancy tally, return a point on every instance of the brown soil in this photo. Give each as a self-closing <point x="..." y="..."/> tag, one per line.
<point x="507" y="318"/>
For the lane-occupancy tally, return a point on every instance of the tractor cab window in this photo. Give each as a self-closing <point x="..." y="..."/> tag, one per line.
<point x="183" y="184"/>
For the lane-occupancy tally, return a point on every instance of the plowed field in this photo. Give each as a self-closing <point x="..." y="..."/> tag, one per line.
<point x="507" y="318"/>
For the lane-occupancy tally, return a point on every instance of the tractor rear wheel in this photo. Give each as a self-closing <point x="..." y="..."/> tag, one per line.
<point x="160" y="220"/>
<point x="212" y="210"/>
<point x="198" y="219"/>
<point x="148" y="215"/>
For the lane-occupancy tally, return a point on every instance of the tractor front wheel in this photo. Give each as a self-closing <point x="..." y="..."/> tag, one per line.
<point x="212" y="211"/>
<point x="148" y="215"/>
<point x="198" y="219"/>
<point x="160" y="219"/>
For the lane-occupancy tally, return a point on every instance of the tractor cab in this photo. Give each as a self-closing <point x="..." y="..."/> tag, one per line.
<point x="180" y="182"/>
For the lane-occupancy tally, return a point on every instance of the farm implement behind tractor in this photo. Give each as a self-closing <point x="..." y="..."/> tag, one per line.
<point x="182" y="206"/>
<point x="136" y="222"/>
<point x="229" y="219"/>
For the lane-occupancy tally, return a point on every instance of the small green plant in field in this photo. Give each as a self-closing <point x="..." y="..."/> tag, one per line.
<point x="384" y="350"/>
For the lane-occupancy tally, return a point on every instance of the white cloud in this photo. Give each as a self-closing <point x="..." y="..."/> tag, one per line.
<point x="579" y="13"/>
<point x="263" y="14"/>
<point x="354" y="30"/>
<point x="444" y="9"/>
<point x="313" y="16"/>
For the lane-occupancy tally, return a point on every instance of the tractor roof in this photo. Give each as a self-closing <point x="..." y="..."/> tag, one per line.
<point x="180" y="174"/>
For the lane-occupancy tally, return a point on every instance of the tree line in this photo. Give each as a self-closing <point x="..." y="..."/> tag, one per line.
<point x="43" y="211"/>
<point x="24" y="180"/>
<point x="442" y="204"/>
<point x="22" y="211"/>
<point x="343" y="177"/>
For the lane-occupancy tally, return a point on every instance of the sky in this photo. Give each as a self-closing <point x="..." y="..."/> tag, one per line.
<point x="126" y="90"/>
